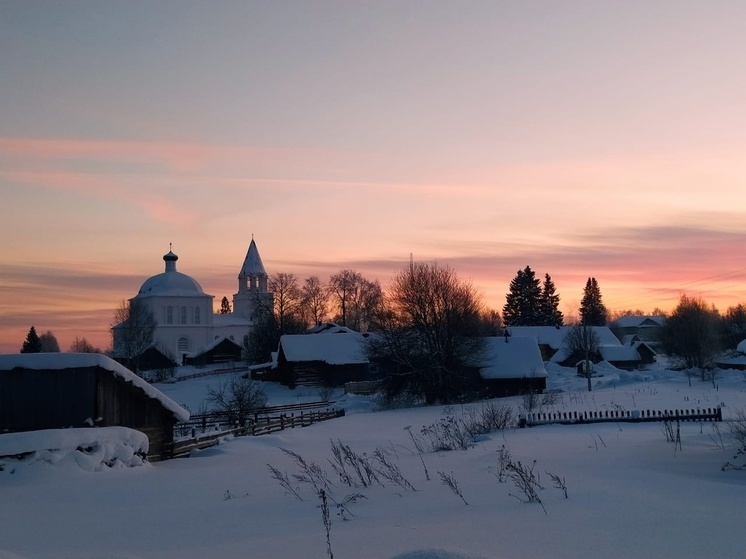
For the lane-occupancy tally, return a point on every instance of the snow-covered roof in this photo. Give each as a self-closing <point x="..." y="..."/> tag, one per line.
<point x="544" y="335"/>
<point x="607" y="342"/>
<point x="340" y="349"/>
<point x="638" y="321"/>
<point x="212" y="345"/>
<point x="171" y="283"/>
<point x="618" y="353"/>
<point x="518" y="358"/>
<point x="554" y="337"/>
<point x="330" y="328"/>
<point x="741" y="347"/>
<point x="630" y="339"/>
<point x="62" y="361"/>
<point x="252" y="264"/>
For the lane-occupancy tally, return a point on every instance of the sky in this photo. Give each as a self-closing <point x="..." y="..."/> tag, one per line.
<point x="581" y="138"/>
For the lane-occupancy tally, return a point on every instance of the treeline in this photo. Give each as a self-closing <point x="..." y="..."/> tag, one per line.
<point x="47" y="343"/>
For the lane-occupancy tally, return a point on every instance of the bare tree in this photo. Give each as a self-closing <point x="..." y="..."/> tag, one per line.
<point x="282" y="316"/>
<point x="133" y="331"/>
<point x="733" y="327"/>
<point x="358" y="301"/>
<point x="314" y="300"/>
<point x="287" y="300"/>
<point x="690" y="334"/>
<point x="342" y="286"/>
<point x="582" y="341"/>
<point x="366" y="306"/>
<point x="81" y="345"/>
<point x="239" y="398"/>
<point x="492" y="324"/>
<point x="49" y="343"/>
<point x="429" y="335"/>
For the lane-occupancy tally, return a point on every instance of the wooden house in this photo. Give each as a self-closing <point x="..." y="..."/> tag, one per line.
<point x="512" y="365"/>
<point x="631" y="355"/>
<point x="330" y="357"/>
<point x="646" y="328"/>
<point x="69" y="390"/>
<point x="221" y="350"/>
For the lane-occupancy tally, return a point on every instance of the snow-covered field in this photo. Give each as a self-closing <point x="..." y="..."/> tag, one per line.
<point x="630" y="492"/>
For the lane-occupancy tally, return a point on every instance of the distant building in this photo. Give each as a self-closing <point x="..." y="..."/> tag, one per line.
<point x="646" y="328"/>
<point x="187" y="326"/>
<point x="631" y="353"/>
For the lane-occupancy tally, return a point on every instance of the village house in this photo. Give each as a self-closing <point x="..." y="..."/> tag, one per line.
<point x="69" y="390"/>
<point x="512" y="366"/>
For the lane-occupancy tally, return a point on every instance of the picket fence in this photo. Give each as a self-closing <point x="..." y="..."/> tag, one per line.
<point x="629" y="416"/>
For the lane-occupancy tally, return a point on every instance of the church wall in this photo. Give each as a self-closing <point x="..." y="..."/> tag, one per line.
<point x="168" y="335"/>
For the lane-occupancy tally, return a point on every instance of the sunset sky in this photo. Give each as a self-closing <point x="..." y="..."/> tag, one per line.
<point x="581" y="138"/>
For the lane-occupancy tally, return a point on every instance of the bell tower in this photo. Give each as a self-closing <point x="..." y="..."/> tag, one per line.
<point x="253" y="295"/>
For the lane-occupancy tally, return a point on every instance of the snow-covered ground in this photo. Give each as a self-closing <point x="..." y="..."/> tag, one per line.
<point x="630" y="492"/>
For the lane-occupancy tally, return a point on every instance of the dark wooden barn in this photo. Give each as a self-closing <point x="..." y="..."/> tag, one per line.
<point x="63" y="390"/>
<point x="512" y="366"/>
<point x="324" y="359"/>
<point x="222" y="350"/>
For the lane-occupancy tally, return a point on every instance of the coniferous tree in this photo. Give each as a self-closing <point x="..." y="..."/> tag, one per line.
<point x="32" y="343"/>
<point x="592" y="310"/>
<point x="225" y="306"/>
<point x="523" y="301"/>
<point x="551" y="315"/>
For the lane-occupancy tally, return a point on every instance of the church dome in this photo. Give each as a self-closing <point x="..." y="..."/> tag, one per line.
<point x="171" y="283"/>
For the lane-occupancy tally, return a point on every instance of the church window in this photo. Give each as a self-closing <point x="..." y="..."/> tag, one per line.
<point x="196" y="315"/>
<point x="183" y="345"/>
<point x="183" y="315"/>
<point x="170" y="315"/>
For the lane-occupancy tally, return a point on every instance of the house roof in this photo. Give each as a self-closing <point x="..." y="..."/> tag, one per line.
<point x="63" y="361"/>
<point x="554" y="337"/>
<point x="212" y="345"/>
<point x="519" y="357"/>
<point x="618" y="353"/>
<point x="335" y="349"/>
<point x="638" y="321"/>
<point x="329" y="328"/>
<point x="741" y="347"/>
<point x="630" y="339"/>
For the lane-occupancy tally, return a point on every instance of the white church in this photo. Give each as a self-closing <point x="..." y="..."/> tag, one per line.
<point x="187" y="327"/>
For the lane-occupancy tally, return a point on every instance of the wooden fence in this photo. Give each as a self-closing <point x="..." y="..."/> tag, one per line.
<point x="362" y="387"/>
<point x="206" y="430"/>
<point x="633" y="416"/>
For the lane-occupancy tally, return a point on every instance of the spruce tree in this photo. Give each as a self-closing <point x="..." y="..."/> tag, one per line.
<point x="32" y="343"/>
<point x="225" y="306"/>
<point x="592" y="310"/>
<point x="551" y="315"/>
<point x="523" y="301"/>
